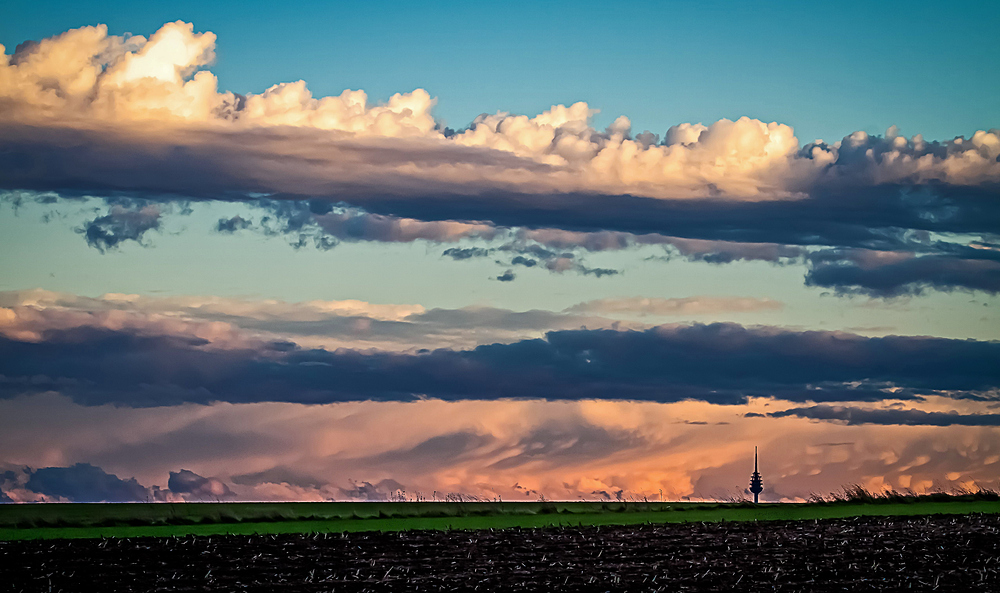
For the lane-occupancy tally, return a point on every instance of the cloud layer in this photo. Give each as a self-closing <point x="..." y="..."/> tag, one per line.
<point x="514" y="449"/>
<point x="724" y="363"/>
<point x="232" y="323"/>
<point x="89" y="113"/>
<point x="86" y="74"/>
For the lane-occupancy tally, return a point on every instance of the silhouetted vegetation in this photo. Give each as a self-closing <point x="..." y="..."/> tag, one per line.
<point x="856" y="494"/>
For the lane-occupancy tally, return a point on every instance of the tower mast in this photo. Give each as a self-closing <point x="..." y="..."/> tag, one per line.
<point x="756" y="483"/>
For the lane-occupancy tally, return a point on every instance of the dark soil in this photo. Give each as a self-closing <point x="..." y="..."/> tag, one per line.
<point x="943" y="553"/>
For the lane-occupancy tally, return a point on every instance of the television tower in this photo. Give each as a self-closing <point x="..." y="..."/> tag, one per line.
<point x="756" y="483"/>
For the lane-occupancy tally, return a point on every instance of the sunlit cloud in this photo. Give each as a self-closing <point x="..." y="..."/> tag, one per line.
<point x="513" y="450"/>
<point x="86" y="77"/>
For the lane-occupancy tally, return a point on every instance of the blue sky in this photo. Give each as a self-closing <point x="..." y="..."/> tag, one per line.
<point x="296" y="294"/>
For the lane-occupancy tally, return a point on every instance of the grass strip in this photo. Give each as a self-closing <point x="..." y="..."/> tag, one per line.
<point x="690" y="512"/>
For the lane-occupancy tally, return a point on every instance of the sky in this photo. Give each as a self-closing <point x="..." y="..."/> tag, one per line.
<point x="347" y="252"/>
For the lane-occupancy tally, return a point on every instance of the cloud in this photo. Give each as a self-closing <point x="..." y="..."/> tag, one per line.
<point x="383" y="490"/>
<point x="917" y="263"/>
<point x="562" y="449"/>
<point x="88" y="112"/>
<point x="233" y="224"/>
<point x="556" y="446"/>
<point x="196" y="487"/>
<point x="699" y="305"/>
<point x="230" y="323"/>
<point x="278" y="475"/>
<point x="143" y="123"/>
<point x="460" y="253"/>
<point x="854" y="416"/>
<point x="435" y="453"/>
<point x="889" y="274"/>
<point x="725" y="252"/>
<point x="721" y="363"/>
<point x="85" y="483"/>
<point x="121" y="224"/>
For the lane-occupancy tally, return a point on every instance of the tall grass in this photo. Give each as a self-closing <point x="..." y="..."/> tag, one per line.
<point x="857" y="494"/>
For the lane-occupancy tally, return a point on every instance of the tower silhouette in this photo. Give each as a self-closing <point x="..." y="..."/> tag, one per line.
<point x="756" y="483"/>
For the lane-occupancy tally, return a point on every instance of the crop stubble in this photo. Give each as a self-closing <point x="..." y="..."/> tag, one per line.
<point x="857" y="554"/>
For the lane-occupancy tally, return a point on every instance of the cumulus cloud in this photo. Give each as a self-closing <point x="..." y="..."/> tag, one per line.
<point x="195" y="487"/>
<point x="85" y="483"/>
<point x="86" y="75"/>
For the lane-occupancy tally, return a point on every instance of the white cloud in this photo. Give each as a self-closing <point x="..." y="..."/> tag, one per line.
<point x="87" y="78"/>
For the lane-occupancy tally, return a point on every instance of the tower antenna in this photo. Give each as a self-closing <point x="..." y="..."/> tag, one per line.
<point x="756" y="482"/>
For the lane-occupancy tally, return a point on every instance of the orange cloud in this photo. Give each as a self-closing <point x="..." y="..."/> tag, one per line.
<point x="562" y="450"/>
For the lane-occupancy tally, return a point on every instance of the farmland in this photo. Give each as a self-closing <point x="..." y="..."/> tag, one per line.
<point x="942" y="552"/>
<point x="57" y="521"/>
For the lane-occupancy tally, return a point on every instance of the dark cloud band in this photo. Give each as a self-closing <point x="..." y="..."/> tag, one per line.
<point x="855" y="416"/>
<point x="718" y="363"/>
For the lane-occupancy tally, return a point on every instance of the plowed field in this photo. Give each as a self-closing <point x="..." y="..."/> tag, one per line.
<point x="946" y="553"/>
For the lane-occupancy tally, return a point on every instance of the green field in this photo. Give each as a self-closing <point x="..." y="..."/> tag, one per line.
<point x="57" y="520"/>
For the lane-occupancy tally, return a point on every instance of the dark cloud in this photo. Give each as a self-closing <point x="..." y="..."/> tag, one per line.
<point x="853" y="271"/>
<point x="507" y="276"/>
<point x="121" y="224"/>
<point x="278" y="475"/>
<point x="532" y="255"/>
<point x="726" y="252"/>
<point x="231" y="225"/>
<point x="720" y="363"/>
<point x="367" y="491"/>
<point x="85" y="483"/>
<point x="853" y="416"/>
<point x="871" y="218"/>
<point x="598" y="272"/>
<point x="197" y="487"/>
<point x="459" y="253"/>
<point x="844" y="208"/>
